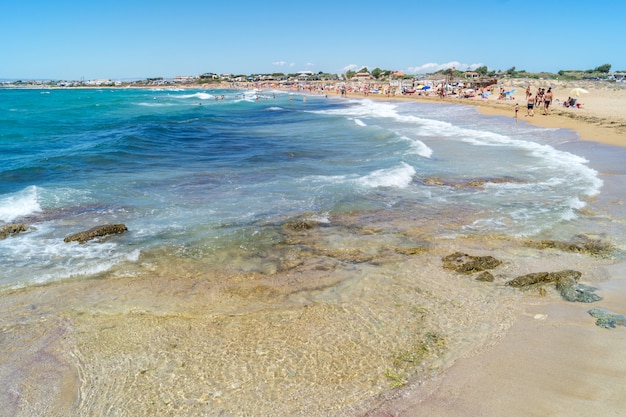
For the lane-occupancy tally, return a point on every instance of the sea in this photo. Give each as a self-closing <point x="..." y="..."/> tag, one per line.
<point x="212" y="181"/>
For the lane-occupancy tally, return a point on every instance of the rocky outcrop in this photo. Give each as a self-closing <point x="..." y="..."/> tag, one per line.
<point x="467" y="264"/>
<point x="297" y="225"/>
<point x="465" y="183"/>
<point x="566" y="284"/>
<point x="585" y="246"/>
<point x="567" y="275"/>
<point x="12" y="229"/>
<point x="94" y="232"/>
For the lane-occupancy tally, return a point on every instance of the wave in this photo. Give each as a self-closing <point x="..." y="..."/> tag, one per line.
<point x="199" y="96"/>
<point x="419" y="147"/>
<point x="35" y="258"/>
<point x="155" y="104"/>
<point x="566" y="167"/>
<point x="19" y="204"/>
<point x="399" y="177"/>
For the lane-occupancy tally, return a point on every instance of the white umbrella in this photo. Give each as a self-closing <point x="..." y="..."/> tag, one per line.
<point x="578" y="91"/>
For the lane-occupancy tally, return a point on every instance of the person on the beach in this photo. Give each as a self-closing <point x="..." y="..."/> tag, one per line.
<point x="539" y="97"/>
<point x="528" y="93"/>
<point x="547" y="99"/>
<point x="516" y="111"/>
<point x="530" y="106"/>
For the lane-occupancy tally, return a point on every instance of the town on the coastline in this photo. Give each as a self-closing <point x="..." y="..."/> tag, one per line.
<point x="478" y="77"/>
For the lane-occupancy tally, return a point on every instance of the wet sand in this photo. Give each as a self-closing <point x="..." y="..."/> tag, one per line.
<point x="355" y="319"/>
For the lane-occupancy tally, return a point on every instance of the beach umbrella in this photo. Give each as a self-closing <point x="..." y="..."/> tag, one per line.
<point x="508" y="93"/>
<point x="578" y="91"/>
<point x="426" y="87"/>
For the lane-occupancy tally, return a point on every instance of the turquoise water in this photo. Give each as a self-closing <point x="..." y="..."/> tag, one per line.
<point x="192" y="170"/>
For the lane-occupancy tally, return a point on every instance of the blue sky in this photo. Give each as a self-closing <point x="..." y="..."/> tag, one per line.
<point x="132" y="39"/>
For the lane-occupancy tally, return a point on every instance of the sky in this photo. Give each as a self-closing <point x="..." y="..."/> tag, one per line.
<point x="138" y="39"/>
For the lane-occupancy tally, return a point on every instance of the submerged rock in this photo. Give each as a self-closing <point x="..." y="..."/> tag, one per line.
<point x="467" y="264"/>
<point x="566" y="284"/>
<point x="94" y="232"/>
<point x="298" y="225"/>
<point x="12" y="229"/>
<point x="578" y="293"/>
<point x="486" y="276"/>
<point x="566" y="276"/>
<point x="592" y="247"/>
<point x="465" y="183"/>
<point x="606" y="319"/>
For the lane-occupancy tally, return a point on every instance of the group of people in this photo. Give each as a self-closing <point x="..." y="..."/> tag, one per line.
<point x="541" y="98"/>
<point x="572" y="102"/>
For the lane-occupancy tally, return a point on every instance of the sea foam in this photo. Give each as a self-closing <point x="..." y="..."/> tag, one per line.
<point x="399" y="177"/>
<point x="22" y="203"/>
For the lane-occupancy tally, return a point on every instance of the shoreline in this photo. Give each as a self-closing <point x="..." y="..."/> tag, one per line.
<point x="163" y="329"/>
<point x="590" y="125"/>
<point x="599" y="120"/>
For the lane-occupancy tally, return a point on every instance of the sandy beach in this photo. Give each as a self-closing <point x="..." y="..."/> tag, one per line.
<point x="155" y="337"/>
<point x="549" y="363"/>
<point x="601" y="117"/>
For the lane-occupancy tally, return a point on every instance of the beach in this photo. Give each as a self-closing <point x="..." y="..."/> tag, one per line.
<point x="600" y="118"/>
<point x="345" y="312"/>
<point x="547" y="364"/>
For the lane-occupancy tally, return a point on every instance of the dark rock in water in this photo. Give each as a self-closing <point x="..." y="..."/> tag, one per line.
<point x="566" y="283"/>
<point x="464" y="183"/>
<point x="592" y="247"/>
<point x="98" y="231"/>
<point x="566" y="276"/>
<point x="298" y="225"/>
<point x="578" y="293"/>
<point x="606" y="319"/>
<point x="12" y="229"/>
<point x="415" y="250"/>
<point x="485" y="277"/>
<point x="467" y="264"/>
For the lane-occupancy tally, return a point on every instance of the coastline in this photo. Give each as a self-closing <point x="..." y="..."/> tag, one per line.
<point x="179" y="307"/>
<point x="599" y="120"/>
<point x="550" y="361"/>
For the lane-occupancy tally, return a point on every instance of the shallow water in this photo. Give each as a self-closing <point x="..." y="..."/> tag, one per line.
<point x="283" y="257"/>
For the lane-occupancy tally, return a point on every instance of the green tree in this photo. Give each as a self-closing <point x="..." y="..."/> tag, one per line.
<point x="376" y="72"/>
<point x="482" y="70"/>
<point x="350" y="74"/>
<point x="606" y="68"/>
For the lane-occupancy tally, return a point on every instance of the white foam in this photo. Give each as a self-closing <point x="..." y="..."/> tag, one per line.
<point x="359" y="122"/>
<point x="155" y="104"/>
<point x="19" y="204"/>
<point x="419" y="147"/>
<point x="199" y="96"/>
<point x="570" y="168"/>
<point x="319" y="218"/>
<point x="399" y="177"/>
<point x="40" y="256"/>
